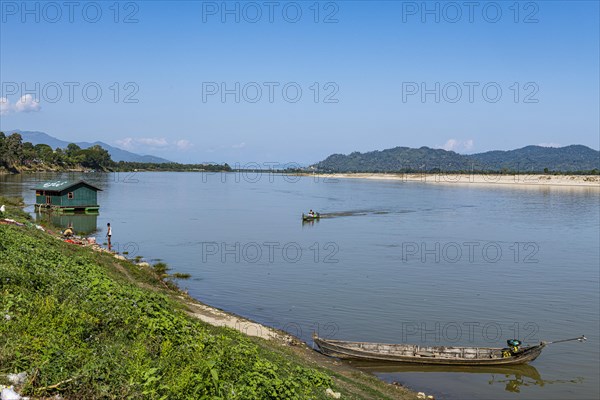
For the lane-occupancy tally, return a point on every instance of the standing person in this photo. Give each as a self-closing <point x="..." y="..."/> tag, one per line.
<point x="108" y="234"/>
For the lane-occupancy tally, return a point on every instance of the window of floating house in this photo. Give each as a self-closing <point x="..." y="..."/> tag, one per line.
<point x="70" y="195"/>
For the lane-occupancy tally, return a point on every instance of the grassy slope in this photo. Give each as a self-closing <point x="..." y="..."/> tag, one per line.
<point x="88" y="326"/>
<point x="14" y="208"/>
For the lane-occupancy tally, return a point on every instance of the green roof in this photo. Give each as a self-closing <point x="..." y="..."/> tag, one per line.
<point x="59" y="186"/>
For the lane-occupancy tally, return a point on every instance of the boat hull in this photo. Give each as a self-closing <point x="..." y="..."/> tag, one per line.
<point x="425" y="355"/>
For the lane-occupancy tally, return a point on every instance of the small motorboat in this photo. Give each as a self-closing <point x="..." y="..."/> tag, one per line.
<point x="310" y="217"/>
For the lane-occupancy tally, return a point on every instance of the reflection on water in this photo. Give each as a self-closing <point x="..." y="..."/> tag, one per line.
<point x="512" y="377"/>
<point x="310" y="222"/>
<point x="82" y="224"/>
<point x="514" y="383"/>
<point x="520" y="369"/>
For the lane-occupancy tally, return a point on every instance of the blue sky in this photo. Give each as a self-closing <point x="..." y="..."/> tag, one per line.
<point x="203" y="81"/>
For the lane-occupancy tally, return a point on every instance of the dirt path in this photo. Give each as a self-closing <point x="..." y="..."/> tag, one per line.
<point x="216" y="317"/>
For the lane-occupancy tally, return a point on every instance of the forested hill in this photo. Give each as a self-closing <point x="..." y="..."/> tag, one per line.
<point x="19" y="156"/>
<point x="575" y="158"/>
<point x="565" y="159"/>
<point x="116" y="154"/>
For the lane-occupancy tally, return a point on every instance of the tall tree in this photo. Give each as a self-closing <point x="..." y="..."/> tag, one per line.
<point x="3" y="161"/>
<point x="14" y="150"/>
<point x="96" y="157"/>
<point x="44" y="153"/>
<point x="74" y="154"/>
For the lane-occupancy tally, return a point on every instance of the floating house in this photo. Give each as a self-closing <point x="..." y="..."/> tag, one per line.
<point x="67" y="196"/>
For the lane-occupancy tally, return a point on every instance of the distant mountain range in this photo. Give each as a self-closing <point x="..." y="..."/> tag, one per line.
<point x="527" y="159"/>
<point x="115" y="153"/>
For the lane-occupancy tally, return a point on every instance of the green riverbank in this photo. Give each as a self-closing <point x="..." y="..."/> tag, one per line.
<point x="86" y="325"/>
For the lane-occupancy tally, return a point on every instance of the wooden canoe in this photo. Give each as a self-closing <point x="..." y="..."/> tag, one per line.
<point x="426" y="355"/>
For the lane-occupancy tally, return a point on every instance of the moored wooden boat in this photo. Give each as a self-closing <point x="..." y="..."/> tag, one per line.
<point x="427" y="355"/>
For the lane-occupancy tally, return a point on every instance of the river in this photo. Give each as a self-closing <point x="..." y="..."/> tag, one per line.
<point x="391" y="262"/>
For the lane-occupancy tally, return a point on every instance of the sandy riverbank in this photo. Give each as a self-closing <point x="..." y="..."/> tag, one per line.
<point x="591" y="181"/>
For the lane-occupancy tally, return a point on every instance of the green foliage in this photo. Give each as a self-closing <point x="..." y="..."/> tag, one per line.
<point x="95" y="157"/>
<point x="14" y="208"/>
<point x="82" y="329"/>
<point x="575" y="158"/>
<point x="15" y="155"/>
<point x="530" y="159"/>
<point x="181" y="275"/>
<point x="170" y="166"/>
<point x="161" y="269"/>
<point x="11" y="150"/>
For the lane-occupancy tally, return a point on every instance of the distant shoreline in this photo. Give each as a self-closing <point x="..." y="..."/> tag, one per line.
<point x="513" y="180"/>
<point x="520" y="180"/>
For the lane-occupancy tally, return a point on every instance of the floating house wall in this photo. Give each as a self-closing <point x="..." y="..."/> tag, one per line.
<point x="41" y="198"/>
<point x="79" y="194"/>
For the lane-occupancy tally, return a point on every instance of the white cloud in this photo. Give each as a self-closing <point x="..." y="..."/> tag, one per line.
<point x="459" y="145"/>
<point x="468" y="145"/>
<point x="183" y="144"/>
<point x="131" y="143"/>
<point x="4" y="106"/>
<point x="450" y="145"/>
<point x="153" y="142"/>
<point x="149" y="143"/>
<point x="550" y="145"/>
<point x="239" y="145"/>
<point x="126" y="143"/>
<point x="25" y="104"/>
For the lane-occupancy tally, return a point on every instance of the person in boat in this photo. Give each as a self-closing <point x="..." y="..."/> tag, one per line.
<point x="513" y="348"/>
<point x="311" y="213"/>
<point x="514" y="344"/>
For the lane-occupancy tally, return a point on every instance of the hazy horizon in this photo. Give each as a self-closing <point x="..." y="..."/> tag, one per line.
<point x="270" y="164"/>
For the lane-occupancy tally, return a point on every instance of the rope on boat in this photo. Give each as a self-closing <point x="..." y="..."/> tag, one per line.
<point x="581" y="338"/>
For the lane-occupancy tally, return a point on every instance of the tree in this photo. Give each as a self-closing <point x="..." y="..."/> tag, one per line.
<point x="44" y="153"/>
<point x="13" y="147"/>
<point x="74" y="154"/>
<point x="3" y="162"/>
<point x="29" y="154"/>
<point x="59" y="156"/>
<point x="72" y="149"/>
<point x="96" y="157"/>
